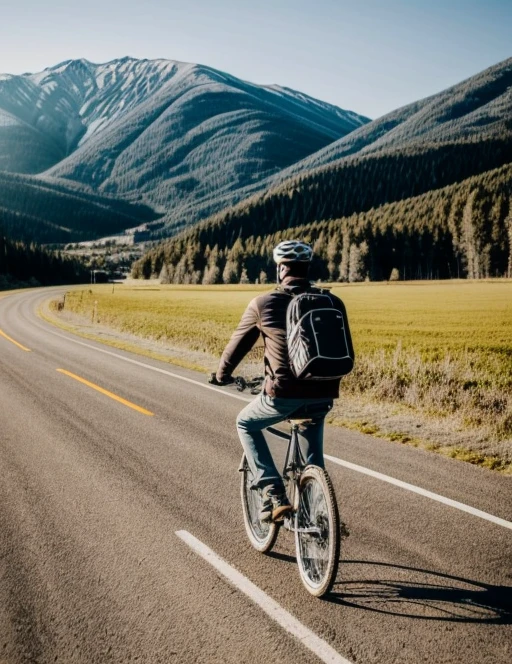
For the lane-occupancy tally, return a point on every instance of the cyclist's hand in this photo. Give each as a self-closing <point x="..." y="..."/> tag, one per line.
<point x="227" y="381"/>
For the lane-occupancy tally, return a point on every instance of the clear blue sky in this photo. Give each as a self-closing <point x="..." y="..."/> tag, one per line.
<point x="370" y="56"/>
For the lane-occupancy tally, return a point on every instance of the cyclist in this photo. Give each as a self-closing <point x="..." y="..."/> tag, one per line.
<point x="282" y="394"/>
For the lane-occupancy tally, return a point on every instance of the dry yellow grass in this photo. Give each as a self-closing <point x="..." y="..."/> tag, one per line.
<point x="437" y="349"/>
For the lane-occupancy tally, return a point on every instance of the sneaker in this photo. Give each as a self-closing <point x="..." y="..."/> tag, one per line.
<point x="275" y="504"/>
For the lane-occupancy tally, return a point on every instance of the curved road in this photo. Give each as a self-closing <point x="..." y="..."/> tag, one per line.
<point x="94" y="490"/>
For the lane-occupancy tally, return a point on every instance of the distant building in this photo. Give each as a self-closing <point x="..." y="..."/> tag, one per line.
<point x="99" y="277"/>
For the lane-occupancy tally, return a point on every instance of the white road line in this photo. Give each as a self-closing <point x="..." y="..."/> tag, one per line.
<point x="340" y="462"/>
<point x="422" y="492"/>
<point x="274" y="610"/>
<point x="148" y="366"/>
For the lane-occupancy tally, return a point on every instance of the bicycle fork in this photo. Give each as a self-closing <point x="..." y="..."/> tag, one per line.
<point x="293" y="466"/>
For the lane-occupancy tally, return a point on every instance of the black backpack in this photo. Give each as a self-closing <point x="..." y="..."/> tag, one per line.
<point x="318" y="336"/>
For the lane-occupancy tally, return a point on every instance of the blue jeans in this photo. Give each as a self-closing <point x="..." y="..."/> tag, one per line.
<point x="264" y="411"/>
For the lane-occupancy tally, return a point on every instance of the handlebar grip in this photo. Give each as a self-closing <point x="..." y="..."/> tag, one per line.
<point x="241" y="383"/>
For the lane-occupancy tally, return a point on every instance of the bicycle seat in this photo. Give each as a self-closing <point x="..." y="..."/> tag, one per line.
<point x="309" y="412"/>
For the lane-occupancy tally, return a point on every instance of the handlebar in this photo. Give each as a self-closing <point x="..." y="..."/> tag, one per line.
<point x="241" y="383"/>
<point x="253" y="384"/>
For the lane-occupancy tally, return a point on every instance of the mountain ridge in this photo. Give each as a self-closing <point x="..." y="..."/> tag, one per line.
<point x="462" y="136"/>
<point x="192" y="142"/>
<point x="158" y="130"/>
<point x="495" y="83"/>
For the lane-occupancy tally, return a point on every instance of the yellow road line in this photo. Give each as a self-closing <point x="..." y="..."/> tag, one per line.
<point x="106" y="392"/>
<point x="6" y="336"/>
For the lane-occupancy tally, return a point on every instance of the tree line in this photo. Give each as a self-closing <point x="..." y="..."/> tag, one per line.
<point x="462" y="230"/>
<point x="24" y="264"/>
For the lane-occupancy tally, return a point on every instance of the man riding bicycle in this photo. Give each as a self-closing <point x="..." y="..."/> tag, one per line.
<point x="283" y="394"/>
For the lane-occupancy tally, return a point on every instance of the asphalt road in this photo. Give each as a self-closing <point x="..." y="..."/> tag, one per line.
<point x="93" y="492"/>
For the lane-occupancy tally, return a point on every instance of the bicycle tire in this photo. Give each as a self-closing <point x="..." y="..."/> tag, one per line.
<point x="262" y="535"/>
<point x="317" y="555"/>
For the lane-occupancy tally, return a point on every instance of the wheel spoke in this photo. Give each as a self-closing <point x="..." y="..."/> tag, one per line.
<point x="254" y="505"/>
<point x="318" y="549"/>
<point x="262" y="535"/>
<point x="313" y="514"/>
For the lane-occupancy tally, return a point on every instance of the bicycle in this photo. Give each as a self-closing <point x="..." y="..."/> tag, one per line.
<point x="314" y="519"/>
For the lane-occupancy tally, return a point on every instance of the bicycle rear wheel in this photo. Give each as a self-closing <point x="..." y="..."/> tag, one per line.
<point x="262" y="535"/>
<point x="317" y="531"/>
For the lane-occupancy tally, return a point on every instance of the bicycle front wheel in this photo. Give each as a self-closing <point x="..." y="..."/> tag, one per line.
<point x="317" y="531"/>
<point x="262" y="535"/>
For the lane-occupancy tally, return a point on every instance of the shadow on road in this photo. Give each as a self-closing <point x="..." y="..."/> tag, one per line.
<point x="417" y="593"/>
<point x="280" y="556"/>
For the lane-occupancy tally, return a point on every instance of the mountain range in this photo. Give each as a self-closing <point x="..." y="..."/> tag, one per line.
<point x="425" y="190"/>
<point x="185" y="139"/>
<point x="89" y="150"/>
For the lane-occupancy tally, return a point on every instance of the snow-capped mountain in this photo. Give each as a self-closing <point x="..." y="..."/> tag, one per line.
<point x="186" y="138"/>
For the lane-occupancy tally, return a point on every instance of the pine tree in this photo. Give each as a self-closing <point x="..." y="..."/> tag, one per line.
<point x="211" y="275"/>
<point x="508" y="226"/>
<point x="244" y="279"/>
<point x="332" y="257"/>
<point x="164" y="275"/>
<point x="468" y="239"/>
<point x="180" y="271"/>
<point x="230" y="273"/>
<point x="345" y="256"/>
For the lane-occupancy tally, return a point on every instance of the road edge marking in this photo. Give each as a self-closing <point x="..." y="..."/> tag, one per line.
<point x="422" y="492"/>
<point x="275" y="611"/>
<point x="6" y="336"/>
<point x="125" y="402"/>
<point x="149" y="366"/>
<point x="347" y="464"/>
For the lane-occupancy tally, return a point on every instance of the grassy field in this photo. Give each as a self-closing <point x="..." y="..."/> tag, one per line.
<point x="438" y="352"/>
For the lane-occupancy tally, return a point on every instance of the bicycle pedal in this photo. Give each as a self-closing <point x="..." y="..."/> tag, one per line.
<point x="279" y="514"/>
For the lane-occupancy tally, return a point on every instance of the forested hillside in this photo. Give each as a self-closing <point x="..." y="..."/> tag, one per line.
<point x="167" y="144"/>
<point x="462" y="230"/>
<point x="29" y="265"/>
<point x="477" y="108"/>
<point x="358" y="185"/>
<point x="422" y="192"/>
<point x="52" y="211"/>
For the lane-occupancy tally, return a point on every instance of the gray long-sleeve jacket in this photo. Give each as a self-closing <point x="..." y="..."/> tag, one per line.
<point x="266" y="315"/>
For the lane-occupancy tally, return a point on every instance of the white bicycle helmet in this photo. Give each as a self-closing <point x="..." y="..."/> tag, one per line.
<point x="292" y="251"/>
